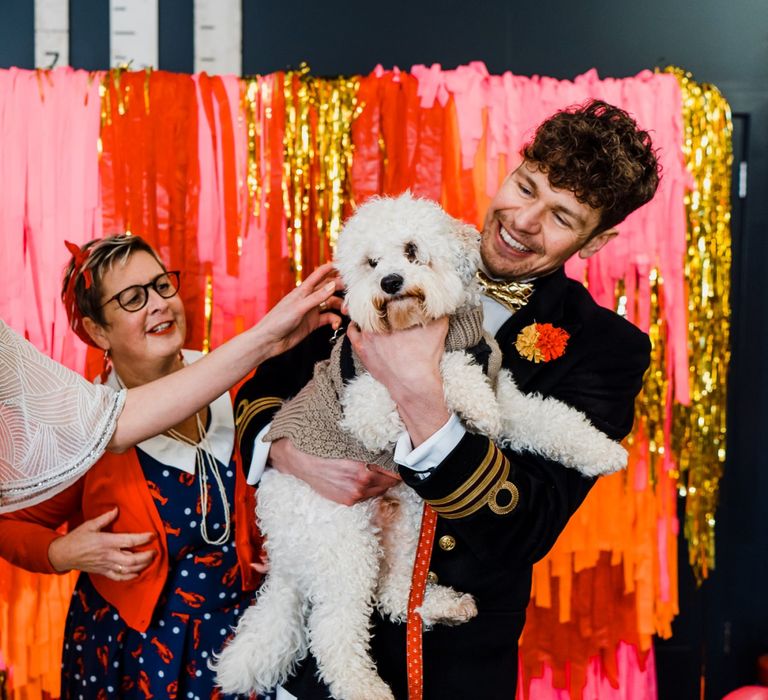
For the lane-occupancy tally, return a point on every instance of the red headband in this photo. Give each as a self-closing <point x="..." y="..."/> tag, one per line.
<point x="79" y="261"/>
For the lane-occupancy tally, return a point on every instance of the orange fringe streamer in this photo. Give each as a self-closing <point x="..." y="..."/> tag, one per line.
<point x="33" y="609"/>
<point x="149" y="174"/>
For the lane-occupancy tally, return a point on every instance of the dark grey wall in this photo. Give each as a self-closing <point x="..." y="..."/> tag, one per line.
<point x="723" y="626"/>
<point x="720" y="42"/>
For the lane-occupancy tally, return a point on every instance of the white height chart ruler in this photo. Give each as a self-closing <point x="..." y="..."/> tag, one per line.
<point x="51" y="33"/>
<point x="133" y="31"/>
<point x="218" y="36"/>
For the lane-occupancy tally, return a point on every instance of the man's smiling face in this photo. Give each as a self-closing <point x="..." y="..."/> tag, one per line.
<point x="531" y="229"/>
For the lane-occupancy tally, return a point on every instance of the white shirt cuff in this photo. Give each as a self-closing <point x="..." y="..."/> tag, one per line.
<point x="433" y="450"/>
<point x="259" y="457"/>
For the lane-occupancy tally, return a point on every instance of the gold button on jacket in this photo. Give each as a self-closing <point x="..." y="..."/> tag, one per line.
<point x="447" y="543"/>
<point x="431" y="577"/>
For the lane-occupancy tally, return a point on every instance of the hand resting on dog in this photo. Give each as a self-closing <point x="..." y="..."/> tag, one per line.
<point x="342" y="480"/>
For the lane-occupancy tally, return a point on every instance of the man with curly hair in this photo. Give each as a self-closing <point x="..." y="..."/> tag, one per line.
<point x="498" y="511"/>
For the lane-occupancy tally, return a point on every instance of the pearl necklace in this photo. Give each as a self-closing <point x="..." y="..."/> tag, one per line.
<point x="204" y="461"/>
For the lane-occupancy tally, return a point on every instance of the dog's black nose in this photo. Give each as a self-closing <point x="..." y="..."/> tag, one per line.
<point x="392" y="284"/>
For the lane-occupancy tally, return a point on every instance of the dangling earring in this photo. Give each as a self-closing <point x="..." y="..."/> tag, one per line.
<point x="106" y="367"/>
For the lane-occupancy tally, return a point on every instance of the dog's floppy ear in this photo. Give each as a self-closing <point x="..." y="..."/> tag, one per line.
<point x="468" y="258"/>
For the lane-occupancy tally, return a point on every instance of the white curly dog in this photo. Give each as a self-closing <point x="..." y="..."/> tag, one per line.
<point x="404" y="261"/>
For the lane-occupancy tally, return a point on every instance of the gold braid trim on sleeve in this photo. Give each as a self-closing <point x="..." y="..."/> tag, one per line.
<point x="248" y="410"/>
<point x="480" y="489"/>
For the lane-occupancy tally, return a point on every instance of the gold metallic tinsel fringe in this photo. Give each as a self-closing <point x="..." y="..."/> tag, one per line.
<point x="256" y="100"/>
<point x="208" y="306"/>
<point x="651" y="407"/>
<point x="699" y="429"/>
<point x="318" y="156"/>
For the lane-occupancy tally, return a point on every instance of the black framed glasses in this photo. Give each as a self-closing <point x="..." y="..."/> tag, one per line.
<point x="135" y="297"/>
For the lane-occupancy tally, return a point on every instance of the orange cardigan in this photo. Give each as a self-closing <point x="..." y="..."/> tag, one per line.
<point x="118" y="480"/>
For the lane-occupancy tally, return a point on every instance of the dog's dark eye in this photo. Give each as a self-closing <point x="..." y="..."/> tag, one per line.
<point x="372" y="262"/>
<point x="410" y="251"/>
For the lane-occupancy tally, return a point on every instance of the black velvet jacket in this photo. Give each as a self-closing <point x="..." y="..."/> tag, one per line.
<point x="482" y="546"/>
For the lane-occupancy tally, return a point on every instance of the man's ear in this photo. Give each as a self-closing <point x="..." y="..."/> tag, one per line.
<point x="595" y="243"/>
<point x="96" y="332"/>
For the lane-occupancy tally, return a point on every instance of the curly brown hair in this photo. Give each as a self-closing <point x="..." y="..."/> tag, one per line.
<point x="598" y="152"/>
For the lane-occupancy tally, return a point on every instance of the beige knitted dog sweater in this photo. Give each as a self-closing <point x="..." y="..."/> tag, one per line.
<point x="311" y="419"/>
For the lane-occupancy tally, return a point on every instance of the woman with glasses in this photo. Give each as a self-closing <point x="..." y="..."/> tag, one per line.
<point x="47" y="444"/>
<point x="163" y="533"/>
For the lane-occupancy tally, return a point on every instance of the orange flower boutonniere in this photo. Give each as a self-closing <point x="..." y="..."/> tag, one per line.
<point x="541" y="342"/>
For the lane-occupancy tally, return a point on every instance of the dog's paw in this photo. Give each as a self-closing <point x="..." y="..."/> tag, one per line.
<point x="555" y="430"/>
<point x="444" y="606"/>
<point x="232" y="668"/>
<point x="469" y="394"/>
<point x="370" y="415"/>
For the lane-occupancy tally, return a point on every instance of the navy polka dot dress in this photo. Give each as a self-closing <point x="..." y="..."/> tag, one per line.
<point x="104" y="658"/>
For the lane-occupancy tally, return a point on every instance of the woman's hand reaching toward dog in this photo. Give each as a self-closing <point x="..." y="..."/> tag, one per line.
<point x="301" y="311"/>
<point x="342" y="480"/>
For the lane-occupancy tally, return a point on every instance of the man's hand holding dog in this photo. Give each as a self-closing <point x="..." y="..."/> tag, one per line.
<point x="407" y="362"/>
<point x="342" y="480"/>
